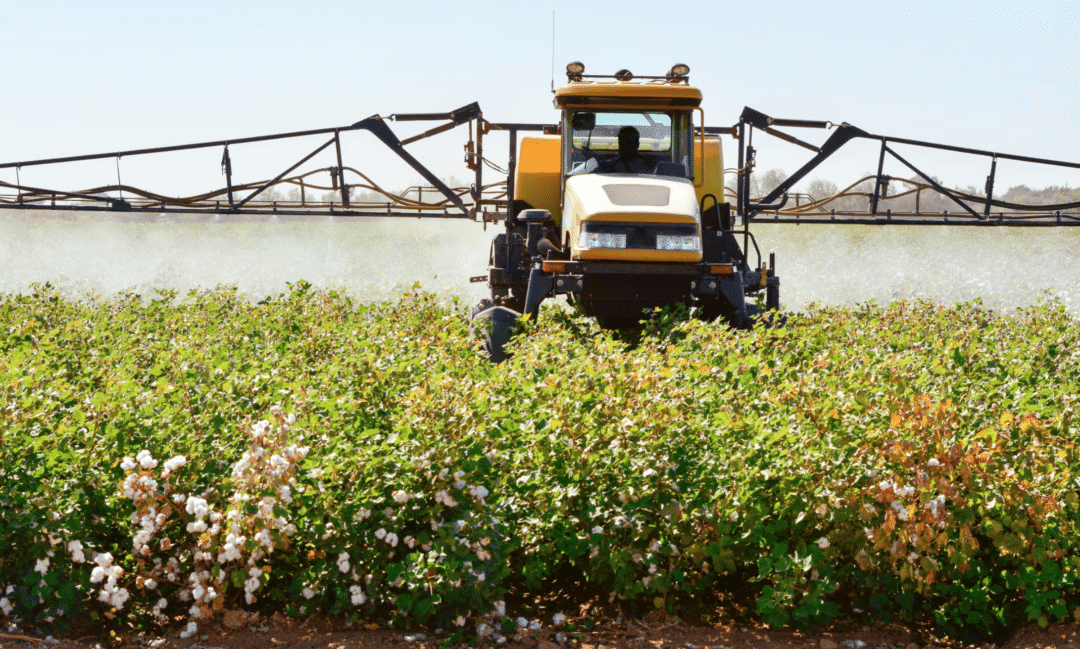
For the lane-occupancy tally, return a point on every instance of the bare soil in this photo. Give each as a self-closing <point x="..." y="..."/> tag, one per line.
<point x="279" y="632"/>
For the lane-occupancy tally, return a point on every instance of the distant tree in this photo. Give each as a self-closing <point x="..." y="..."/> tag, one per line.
<point x="820" y="189"/>
<point x="767" y="181"/>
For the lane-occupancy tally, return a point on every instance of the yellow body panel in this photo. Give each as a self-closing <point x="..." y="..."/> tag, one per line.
<point x="536" y="179"/>
<point x="590" y="92"/>
<point x="712" y="168"/>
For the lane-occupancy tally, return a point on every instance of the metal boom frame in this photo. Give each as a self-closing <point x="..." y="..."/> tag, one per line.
<point x="472" y="206"/>
<point x="751" y="119"/>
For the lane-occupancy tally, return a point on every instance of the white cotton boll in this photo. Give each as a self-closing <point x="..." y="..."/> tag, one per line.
<point x="148" y="484"/>
<point x="522" y="622"/>
<point x="263" y="538"/>
<point x="145" y="459"/>
<point x="648" y="473"/>
<point x="357" y="595"/>
<point x="479" y="492"/>
<point x="127" y="464"/>
<point x="249" y="598"/>
<point x="308" y="593"/>
<point x="534" y="626"/>
<point x="290" y="419"/>
<point x="484" y="630"/>
<point x="391" y="539"/>
<point x="75" y="547"/>
<point x="734" y="516"/>
<point x="195" y="611"/>
<point x="196" y="506"/>
<point x="652" y="569"/>
<point x="823" y="543"/>
<point x="459" y="620"/>
<point x="933" y="463"/>
<point x="558" y="619"/>
<point x="500" y="608"/>
<point x="821" y="509"/>
<point x="380" y="533"/>
<point x="198" y="592"/>
<point x="654" y="545"/>
<point x="42" y="565"/>
<point x="481" y="577"/>
<point x="401" y="497"/>
<point x="150" y="584"/>
<point x="460" y="484"/>
<point x="6" y="606"/>
<point x="912" y="558"/>
<point x="189" y="630"/>
<point x="175" y="463"/>
<point x="119" y="597"/>
<point x="597" y="530"/>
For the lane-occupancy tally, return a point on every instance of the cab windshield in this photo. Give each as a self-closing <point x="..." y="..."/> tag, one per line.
<point x="628" y="142"/>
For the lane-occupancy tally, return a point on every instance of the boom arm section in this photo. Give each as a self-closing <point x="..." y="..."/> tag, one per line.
<point x="748" y="209"/>
<point x="478" y="202"/>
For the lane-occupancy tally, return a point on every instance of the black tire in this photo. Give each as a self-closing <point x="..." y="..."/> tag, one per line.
<point x="497" y="324"/>
<point x="482" y="305"/>
<point x="713" y="308"/>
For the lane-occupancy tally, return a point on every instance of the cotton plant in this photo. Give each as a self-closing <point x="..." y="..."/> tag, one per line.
<point x="49" y="589"/>
<point x="427" y="548"/>
<point x="198" y="547"/>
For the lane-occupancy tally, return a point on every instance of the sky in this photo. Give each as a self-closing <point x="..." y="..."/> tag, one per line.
<point x="89" y="77"/>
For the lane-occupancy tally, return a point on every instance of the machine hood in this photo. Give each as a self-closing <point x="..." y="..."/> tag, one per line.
<point x="630" y="198"/>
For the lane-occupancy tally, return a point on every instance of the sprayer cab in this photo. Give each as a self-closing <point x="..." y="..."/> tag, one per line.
<point x="622" y="211"/>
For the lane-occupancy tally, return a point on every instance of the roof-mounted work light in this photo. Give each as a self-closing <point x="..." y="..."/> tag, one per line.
<point x="624" y="75"/>
<point x="678" y="71"/>
<point x="574" y="70"/>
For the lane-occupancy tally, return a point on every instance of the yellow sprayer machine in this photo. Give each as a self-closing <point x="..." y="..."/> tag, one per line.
<point x="620" y="206"/>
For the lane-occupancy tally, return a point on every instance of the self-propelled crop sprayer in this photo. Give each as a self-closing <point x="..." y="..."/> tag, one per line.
<point x="620" y="206"/>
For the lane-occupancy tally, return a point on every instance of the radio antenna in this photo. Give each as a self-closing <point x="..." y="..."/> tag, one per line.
<point x="553" y="51"/>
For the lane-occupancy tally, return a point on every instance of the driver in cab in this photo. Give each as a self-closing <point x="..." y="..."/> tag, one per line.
<point x="629" y="161"/>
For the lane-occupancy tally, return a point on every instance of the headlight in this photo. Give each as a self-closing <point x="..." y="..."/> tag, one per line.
<point x="640" y="236"/>
<point x="602" y="240"/>
<point x="676" y="242"/>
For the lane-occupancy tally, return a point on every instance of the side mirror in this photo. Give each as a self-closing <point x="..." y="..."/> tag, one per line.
<point x="584" y="121"/>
